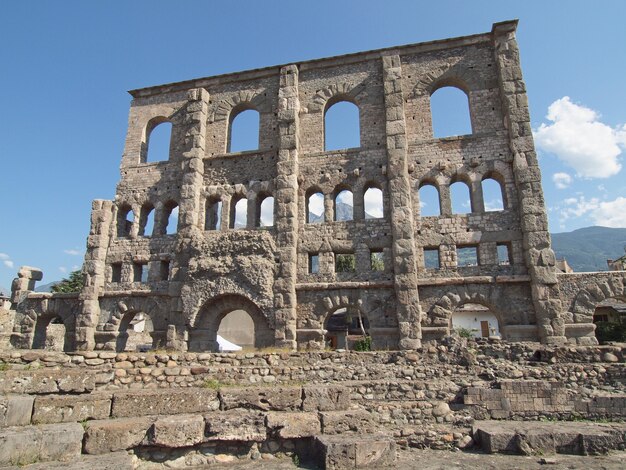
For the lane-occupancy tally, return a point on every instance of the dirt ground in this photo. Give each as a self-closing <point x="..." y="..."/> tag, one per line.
<point x="433" y="460"/>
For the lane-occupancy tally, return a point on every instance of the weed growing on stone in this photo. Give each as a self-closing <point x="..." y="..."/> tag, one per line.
<point x="4" y="366"/>
<point x="212" y="384"/>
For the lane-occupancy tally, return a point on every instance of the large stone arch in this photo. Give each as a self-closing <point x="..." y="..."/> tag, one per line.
<point x="585" y="302"/>
<point x="35" y="316"/>
<point x="240" y="101"/>
<point x="331" y="94"/>
<point x="112" y="334"/>
<point x="205" y="324"/>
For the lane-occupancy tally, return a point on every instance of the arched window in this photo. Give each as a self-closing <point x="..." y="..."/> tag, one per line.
<point x="158" y="141"/>
<point x="243" y="131"/>
<point x="265" y="213"/>
<point x="493" y="195"/>
<point x="239" y="213"/>
<point x="125" y="220"/>
<point x="449" y="107"/>
<point x="341" y="126"/>
<point x="315" y="208"/>
<point x="171" y="210"/>
<point x="373" y="203"/>
<point x="344" y="206"/>
<point x="429" y="200"/>
<point x="213" y="217"/>
<point x="146" y="220"/>
<point x="460" y="198"/>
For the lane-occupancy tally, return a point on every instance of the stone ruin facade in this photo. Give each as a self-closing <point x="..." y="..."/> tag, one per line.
<point x="185" y="282"/>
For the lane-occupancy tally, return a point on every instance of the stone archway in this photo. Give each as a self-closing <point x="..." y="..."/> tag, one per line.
<point x="123" y="329"/>
<point x="54" y="332"/>
<point x="203" y="333"/>
<point x="587" y="299"/>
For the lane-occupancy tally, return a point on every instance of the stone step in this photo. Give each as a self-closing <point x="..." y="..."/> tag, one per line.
<point x="28" y="444"/>
<point x="112" y="461"/>
<point x="534" y="437"/>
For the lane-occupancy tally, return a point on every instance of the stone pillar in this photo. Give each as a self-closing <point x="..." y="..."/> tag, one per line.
<point x="538" y="253"/>
<point x="24" y="283"/>
<point x="404" y="260"/>
<point x="94" y="272"/>
<point x="286" y="220"/>
<point x="190" y="219"/>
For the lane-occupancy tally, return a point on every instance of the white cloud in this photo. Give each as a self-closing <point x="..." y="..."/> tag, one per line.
<point x="6" y="260"/>
<point x="345" y="197"/>
<point x="73" y="252"/>
<point x="316" y="204"/>
<point x="577" y="137"/>
<point x="241" y="213"/>
<point x="561" y="180"/>
<point x="75" y="267"/>
<point x="63" y="269"/>
<point x="494" y="205"/>
<point x="604" y="213"/>
<point x="373" y="202"/>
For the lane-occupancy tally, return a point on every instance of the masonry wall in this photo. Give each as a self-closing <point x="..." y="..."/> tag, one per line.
<point x="188" y="280"/>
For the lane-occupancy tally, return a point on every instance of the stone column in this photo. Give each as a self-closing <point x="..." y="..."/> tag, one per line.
<point x="286" y="220"/>
<point x="403" y="247"/>
<point x="24" y="283"/>
<point x="94" y="272"/>
<point x="538" y="253"/>
<point x="190" y="220"/>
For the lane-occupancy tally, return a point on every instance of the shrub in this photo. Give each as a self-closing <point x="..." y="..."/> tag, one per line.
<point x="464" y="332"/>
<point x="364" y="344"/>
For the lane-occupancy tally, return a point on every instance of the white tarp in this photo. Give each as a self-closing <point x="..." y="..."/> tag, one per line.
<point x="226" y="345"/>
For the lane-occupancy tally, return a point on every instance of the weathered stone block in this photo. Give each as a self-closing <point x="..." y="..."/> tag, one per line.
<point x="236" y="425"/>
<point x="15" y="410"/>
<point x="293" y="425"/>
<point x="325" y="398"/>
<point x="115" y="434"/>
<point x="338" y="422"/>
<point x="262" y="398"/>
<point x="156" y="402"/>
<point x="68" y="408"/>
<point x="342" y="452"/>
<point x="177" y="431"/>
<point x="46" y="381"/>
<point x="28" y="444"/>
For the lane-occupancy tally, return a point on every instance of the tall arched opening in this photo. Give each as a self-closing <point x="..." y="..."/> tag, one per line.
<point x="346" y="328"/>
<point x="235" y="316"/>
<point x="52" y="333"/>
<point x="136" y="333"/>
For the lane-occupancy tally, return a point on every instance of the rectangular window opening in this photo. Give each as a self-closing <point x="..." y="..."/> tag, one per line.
<point x="377" y="260"/>
<point x="314" y="263"/>
<point x="504" y="254"/>
<point x="116" y="272"/>
<point x="164" y="270"/>
<point x="466" y="256"/>
<point x="345" y="263"/>
<point x="431" y="258"/>
<point x="140" y="273"/>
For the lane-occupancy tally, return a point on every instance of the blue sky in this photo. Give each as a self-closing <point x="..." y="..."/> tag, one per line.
<point x="66" y="66"/>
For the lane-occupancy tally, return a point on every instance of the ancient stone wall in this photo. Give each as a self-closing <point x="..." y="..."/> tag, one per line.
<point x="186" y="278"/>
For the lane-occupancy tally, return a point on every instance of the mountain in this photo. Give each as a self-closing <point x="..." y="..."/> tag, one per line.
<point x="344" y="212"/>
<point x="46" y="287"/>
<point x="587" y="249"/>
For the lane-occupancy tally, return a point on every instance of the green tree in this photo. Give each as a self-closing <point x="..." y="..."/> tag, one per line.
<point x="345" y="263"/>
<point x="73" y="283"/>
